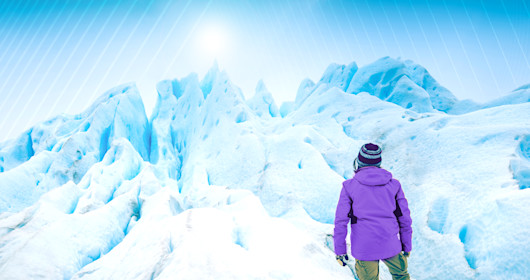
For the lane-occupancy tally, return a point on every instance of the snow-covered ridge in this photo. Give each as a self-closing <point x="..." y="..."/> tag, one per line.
<point x="404" y="83"/>
<point x="66" y="147"/>
<point x="214" y="186"/>
<point x="401" y="82"/>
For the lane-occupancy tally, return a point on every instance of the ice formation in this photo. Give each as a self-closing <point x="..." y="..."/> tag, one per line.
<point x="214" y="186"/>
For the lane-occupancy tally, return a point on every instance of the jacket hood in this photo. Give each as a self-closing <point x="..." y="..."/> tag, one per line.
<point x="373" y="176"/>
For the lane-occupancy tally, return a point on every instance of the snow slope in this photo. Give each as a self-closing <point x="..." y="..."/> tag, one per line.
<point x="64" y="148"/>
<point x="214" y="186"/>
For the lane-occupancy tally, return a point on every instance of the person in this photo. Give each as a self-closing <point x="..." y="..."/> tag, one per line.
<point x="381" y="227"/>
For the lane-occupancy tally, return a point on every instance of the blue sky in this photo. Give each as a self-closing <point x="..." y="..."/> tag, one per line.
<point x="58" y="56"/>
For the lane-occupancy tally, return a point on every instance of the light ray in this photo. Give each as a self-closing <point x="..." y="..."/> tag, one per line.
<point x="185" y="41"/>
<point x="23" y="55"/>
<point x="57" y="77"/>
<point x="420" y="25"/>
<point x="407" y="31"/>
<point x="10" y="12"/>
<point x="498" y="44"/>
<point x="481" y="48"/>
<point x="20" y="27"/>
<point x="101" y="55"/>
<point x="445" y="45"/>
<point x="354" y="32"/>
<point x="463" y="48"/>
<point x="168" y="35"/>
<point x="515" y="33"/>
<point x="35" y="92"/>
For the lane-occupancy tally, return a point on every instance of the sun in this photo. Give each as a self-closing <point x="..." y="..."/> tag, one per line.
<point x="213" y="40"/>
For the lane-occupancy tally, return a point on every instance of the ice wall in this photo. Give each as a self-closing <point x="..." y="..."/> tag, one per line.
<point x="216" y="186"/>
<point x="64" y="148"/>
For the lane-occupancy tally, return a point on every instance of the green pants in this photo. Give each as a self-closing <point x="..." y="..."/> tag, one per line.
<point x="369" y="270"/>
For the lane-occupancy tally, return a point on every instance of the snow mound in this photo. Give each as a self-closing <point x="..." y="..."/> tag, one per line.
<point x="518" y="96"/>
<point x="65" y="147"/>
<point x="401" y="82"/>
<point x="263" y="103"/>
<point x="214" y="186"/>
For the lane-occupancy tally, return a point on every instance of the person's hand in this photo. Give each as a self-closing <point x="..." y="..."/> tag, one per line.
<point x="406" y="254"/>
<point x="341" y="259"/>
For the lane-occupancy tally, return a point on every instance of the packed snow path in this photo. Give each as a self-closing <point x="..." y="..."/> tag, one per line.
<point x="214" y="186"/>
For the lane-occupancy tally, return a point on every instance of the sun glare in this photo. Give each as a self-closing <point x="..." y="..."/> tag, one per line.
<point x="213" y="40"/>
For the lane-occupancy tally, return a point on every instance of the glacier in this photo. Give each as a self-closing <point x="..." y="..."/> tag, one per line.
<point x="213" y="186"/>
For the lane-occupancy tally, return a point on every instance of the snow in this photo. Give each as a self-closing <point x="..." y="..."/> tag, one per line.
<point x="380" y="79"/>
<point x="66" y="147"/>
<point x="339" y="75"/>
<point x="263" y="103"/>
<point x="214" y="186"/>
<point x="518" y="96"/>
<point x="520" y="165"/>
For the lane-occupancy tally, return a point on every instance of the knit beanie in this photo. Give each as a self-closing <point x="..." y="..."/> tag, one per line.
<point x="369" y="155"/>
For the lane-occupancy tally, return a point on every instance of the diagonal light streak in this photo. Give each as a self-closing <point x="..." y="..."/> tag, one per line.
<point x="318" y="43"/>
<point x="6" y="34"/>
<point x="326" y="42"/>
<point x="377" y="28"/>
<point x="498" y="44"/>
<point x="290" y="38"/>
<point x="268" y="14"/>
<point x="80" y="19"/>
<point x="44" y="77"/>
<point x="8" y="12"/>
<point x="19" y="45"/>
<point x="361" y="20"/>
<point x="391" y="28"/>
<point x="185" y="41"/>
<point x="445" y="45"/>
<point x="65" y="64"/>
<point x="515" y="33"/>
<point x="525" y="8"/>
<point x="253" y="12"/>
<point x="353" y="31"/>
<point x="5" y="8"/>
<point x="425" y="38"/>
<point x="276" y="18"/>
<point x="164" y="42"/>
<point x="305" y="62"/>
<point x="315" y="43"/>
<point x="7" y="64"/>
<point x="321" y="35"/>
<point x="98" y="60"/>
<point x="29" y="46"/>
<point x="168" y="35"/>
<point x="286" y="40"/>
<point x="244" y="18"/>
<point x="279" y="40"/>
<point x="35" y="52"/>
<point x="22" y="57"/>
<point x="481" y="48"/>
<point x="300" y="31"/>
<point x="147" y="38"/>
<point x="345" y="45"/>
<point x="118" y="54"/>
<point x="20" y="26"/>
<point x="463" y="48"/>
<point x="412" y="43"/>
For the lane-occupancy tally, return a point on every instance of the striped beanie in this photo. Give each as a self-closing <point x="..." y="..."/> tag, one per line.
<point x="369" y="155"/>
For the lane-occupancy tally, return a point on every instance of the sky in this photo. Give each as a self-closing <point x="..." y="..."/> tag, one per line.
<point x="58" y="56"/>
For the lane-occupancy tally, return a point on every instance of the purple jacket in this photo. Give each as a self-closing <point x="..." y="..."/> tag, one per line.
<point x="378" y="210"/>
